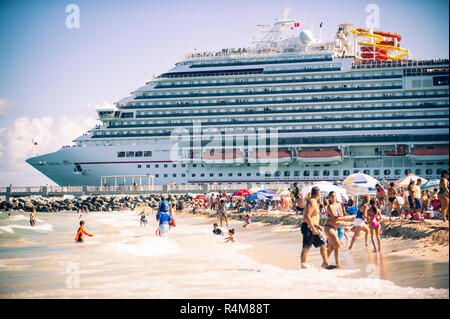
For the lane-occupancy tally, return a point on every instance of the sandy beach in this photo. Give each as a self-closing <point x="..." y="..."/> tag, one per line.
<point x="124" y="260"/>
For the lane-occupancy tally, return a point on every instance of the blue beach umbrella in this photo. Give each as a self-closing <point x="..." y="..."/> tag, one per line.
<point x="430" y="184"/>
<point x="257" y="195"/>
<point x="270" y="193"/>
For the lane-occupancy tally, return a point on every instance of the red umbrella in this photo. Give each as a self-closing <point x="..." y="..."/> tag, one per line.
<point x="242" y="193"/>
<point x="200" y="197"/>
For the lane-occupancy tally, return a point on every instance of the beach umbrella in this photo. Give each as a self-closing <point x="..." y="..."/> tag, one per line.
<point x="200" y="197"/>
<point x="360" y="184"/>
<point x="266" y="192"/>
<point x="242" y="193"/>
<point x="326" y="188"/>
<point x="257" y="196"/>
<point x="360" y="179"/>
<point x="283" y="192"/>
<point x="405" y="180"/>
<point x="254" y="189"/>
<point x="432" y="183"/>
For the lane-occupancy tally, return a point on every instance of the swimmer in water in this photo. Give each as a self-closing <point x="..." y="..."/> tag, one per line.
<point x="230" y="236"/>
<point x="217" y="230"/>
<point x="9" y="215"/>
<point x="143" y="220"/>
<point x="80" y="232"/>
<point x="32" y="218"/>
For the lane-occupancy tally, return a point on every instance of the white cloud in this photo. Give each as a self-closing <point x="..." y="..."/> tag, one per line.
<point x="16" y="142"/>
<point x="6" y="106"/>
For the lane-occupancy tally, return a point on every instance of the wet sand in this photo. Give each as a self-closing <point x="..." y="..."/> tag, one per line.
<point x="280" y="246"/>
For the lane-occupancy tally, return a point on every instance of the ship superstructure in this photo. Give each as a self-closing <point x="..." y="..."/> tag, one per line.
<point x="296" y="109"/>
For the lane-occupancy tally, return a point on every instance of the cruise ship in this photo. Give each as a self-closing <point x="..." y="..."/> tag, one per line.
<point x="293" y="107"/>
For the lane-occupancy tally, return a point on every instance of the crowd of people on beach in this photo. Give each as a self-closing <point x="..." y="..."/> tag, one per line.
<point x="327" y="218"/>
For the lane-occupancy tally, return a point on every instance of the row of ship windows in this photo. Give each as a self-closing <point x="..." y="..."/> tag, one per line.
<point x="315" y="173"/>
<point x="284" y="127"/>
<point x="311" y="97"/>
<point x="135" y="154"/>
<point x="285" y="78"/>
<point x="271" y="89"/>
<point x="271" y="118"/>
<point x="302" y="67"/>
<point x="288" y="108"/>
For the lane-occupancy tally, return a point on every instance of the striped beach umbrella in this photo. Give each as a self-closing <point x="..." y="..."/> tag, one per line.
<point x="360" y="184"/>
<point x="361" y="179"/>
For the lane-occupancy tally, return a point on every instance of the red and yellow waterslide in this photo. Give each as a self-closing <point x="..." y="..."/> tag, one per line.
<point x="380" y="45"/>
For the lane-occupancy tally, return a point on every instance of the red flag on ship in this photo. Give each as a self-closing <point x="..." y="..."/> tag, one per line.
<point x="34" y="142"/>
<point x="296" y="24"/>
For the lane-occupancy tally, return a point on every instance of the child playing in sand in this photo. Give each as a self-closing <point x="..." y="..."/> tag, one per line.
<point x="230" y="236"/>
<point x="247" y="221"/>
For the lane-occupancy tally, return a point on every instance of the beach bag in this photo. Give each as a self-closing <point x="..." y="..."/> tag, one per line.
<point x="351" y="210"/>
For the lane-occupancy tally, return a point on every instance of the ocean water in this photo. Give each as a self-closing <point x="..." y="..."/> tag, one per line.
<point x="124" y="260"/>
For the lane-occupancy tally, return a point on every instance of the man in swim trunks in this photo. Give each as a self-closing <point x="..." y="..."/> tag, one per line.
<point x="33" y="218"/>
<point x="312" y="232"/>
<point x="299" y="204"/>
<point x="80" y="232"/>
<point x="163" y="217"/>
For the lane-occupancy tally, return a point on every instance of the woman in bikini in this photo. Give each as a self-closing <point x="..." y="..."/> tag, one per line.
<point x="360" y="225"/>
<point x="335" y="216"/>
<point x="443" y="194"/>
<point x="392" y="194"/>
<point x="381" y="196"/>
<point x="374" y="217"/>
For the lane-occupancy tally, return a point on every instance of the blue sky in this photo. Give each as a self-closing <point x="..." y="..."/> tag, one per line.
<point x="48" y="70"/>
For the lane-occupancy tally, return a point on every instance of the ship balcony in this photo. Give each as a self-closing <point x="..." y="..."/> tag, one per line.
<point x="165" y="85"/>
<point x="270" y="91"/>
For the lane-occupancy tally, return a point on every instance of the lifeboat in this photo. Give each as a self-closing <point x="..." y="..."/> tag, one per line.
<point x="261" y="158"/>
<point x="223" y="158"/>
<point x="327" y="156"/>
<point x="378" y="56"/>
<point x="429" y="154"/>
<point x="400" y="151"/>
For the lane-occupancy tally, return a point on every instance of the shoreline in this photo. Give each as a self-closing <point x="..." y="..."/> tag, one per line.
<point x="427" y="240"/>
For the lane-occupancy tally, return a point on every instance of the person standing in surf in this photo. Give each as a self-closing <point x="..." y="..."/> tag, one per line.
<point x="333" y="227"/>
<point x="32" y="217"/>
<point x="312" y="232"/>
<point x="360" y="224"/>
<point x="80" y="232"/>
<point x="163" y="218"/>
